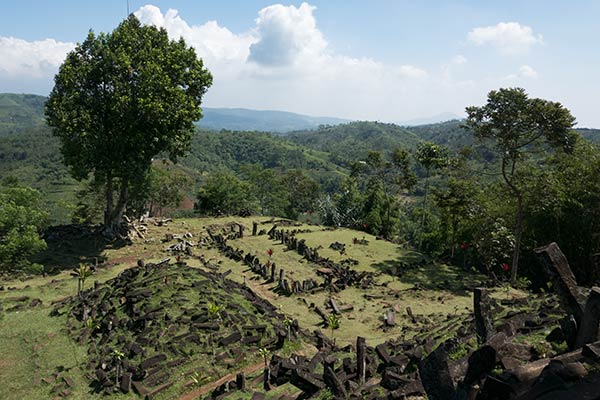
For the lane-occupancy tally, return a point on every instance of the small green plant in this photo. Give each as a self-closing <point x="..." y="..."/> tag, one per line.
<point x="213" y="309"/>
<point x="288" y="322"/>
<point x="460" y="351"/>
<point x="333" y="322"/>
<point x="91" y="324"/>
<point x="264" y="353"/>
<point x="522" y="283"/>
<point x="199" y="378"/>
<point x="81" y="273"/>
<point x="117" y="356"/>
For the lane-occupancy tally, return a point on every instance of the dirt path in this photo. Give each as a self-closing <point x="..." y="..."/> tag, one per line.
<point x="210" y="386"/>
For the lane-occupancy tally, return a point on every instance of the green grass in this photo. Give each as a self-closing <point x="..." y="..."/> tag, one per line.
<point x="30" y="353"/>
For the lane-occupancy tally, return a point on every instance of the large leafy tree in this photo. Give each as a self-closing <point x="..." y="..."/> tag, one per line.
<point x="119" y="100"/>
<point x="516" y="125"/>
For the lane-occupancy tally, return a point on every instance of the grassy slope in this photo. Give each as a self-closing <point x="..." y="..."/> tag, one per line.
<point x="31" y="352"/>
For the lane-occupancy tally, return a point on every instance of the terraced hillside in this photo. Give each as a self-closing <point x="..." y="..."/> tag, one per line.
<point x="154" y="320"/>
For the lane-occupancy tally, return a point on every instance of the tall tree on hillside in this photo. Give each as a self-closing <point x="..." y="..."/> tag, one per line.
<point x="517" y="124"/>
<point x="431" y="157"/>
<point x="385" y="179"/>
<point x="119" y="100"/>
<point x="303" y="193"/>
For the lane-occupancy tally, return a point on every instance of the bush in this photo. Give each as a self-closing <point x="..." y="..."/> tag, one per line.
<point x="21" y="220"/>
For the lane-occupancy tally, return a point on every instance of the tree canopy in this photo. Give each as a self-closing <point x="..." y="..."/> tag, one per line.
<point x="517" y="124"/>
<point x="122" y="98"/>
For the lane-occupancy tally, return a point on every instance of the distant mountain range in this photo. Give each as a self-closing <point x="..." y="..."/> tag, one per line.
<point x="435" y="119"/>
<point x="242" y="119"/>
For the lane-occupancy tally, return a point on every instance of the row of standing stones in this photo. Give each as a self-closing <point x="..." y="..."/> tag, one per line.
<point x="500" y="368"/>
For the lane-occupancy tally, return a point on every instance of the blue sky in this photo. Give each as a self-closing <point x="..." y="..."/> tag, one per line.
<point x="376" y="60"/>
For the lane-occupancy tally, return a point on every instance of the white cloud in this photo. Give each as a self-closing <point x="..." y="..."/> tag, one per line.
<point x="216" y="45"/>
<point x="284" y="62"/>
<point x="459" y="59"/>
<point x="527" y="72"/>
<point x="287" y="34"/>
<point x="38" y="59"/>
<point x="410" y="71"/>
<point x="508" y="37"/>
<point x="524" y="72"/>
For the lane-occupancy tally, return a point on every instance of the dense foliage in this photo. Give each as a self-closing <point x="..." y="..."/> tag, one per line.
<point x="285" y="194"/>
<point x="119" y="100"/>
<point x="21" y="220"/>
<point x="467" y="218"/>
<point x="517" y="125"/>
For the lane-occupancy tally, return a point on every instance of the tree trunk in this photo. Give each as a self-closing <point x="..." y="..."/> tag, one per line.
<point x="113" y="216"/>
<point x="518" y="234"/>
<point x="109" y="204"/>
<point x="423" y="208"/>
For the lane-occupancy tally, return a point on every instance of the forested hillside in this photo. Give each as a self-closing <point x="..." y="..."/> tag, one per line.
<point x="19" y="111"/>
<point x="29" y="153"/>
<point x="353" y="141"/>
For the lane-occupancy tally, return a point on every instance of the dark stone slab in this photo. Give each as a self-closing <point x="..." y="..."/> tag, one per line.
<point x="306" y="381"/>
<point x="334" y="382"/>
<point x="481" y="362"/>
<point x="125" y="384"/>
<point x="232" y="338"/>
<point x="483" y="317"/>
<point x="140" y="388"/>
<point x="158" y="389"/>
<point x="152" y="361"/>
<point x="588" y="329"/>
<point x="382" y="352"/>
<point x="435" y="374"/>
<point x="361" y="363"/>
<point x="563" y="281"/>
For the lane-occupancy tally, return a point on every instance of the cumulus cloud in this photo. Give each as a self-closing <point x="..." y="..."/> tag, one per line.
<point x="285" y="62"/>
<point x="216" y="45"/>
<point x="282" y="62"/>
<point x="524" y="72"/>
<point x="286" y="35"/>
<point x="36" y="59"/>
<point x="508" y="37"/>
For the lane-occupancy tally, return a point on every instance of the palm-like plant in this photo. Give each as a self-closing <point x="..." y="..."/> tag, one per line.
<point x="264" y="353"/>
<point x="82" y="272"/>
<point x="213" y="309"/>
<point x="200" y="378"/>
<point x="333" y="322"/>
<point x="117" y="356"/>
<point x="287" y="322"/>
<point x="91" y="325"/>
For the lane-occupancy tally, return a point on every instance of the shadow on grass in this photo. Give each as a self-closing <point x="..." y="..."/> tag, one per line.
<point x="416" y="269"/>
<point x="69" y="245"/>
